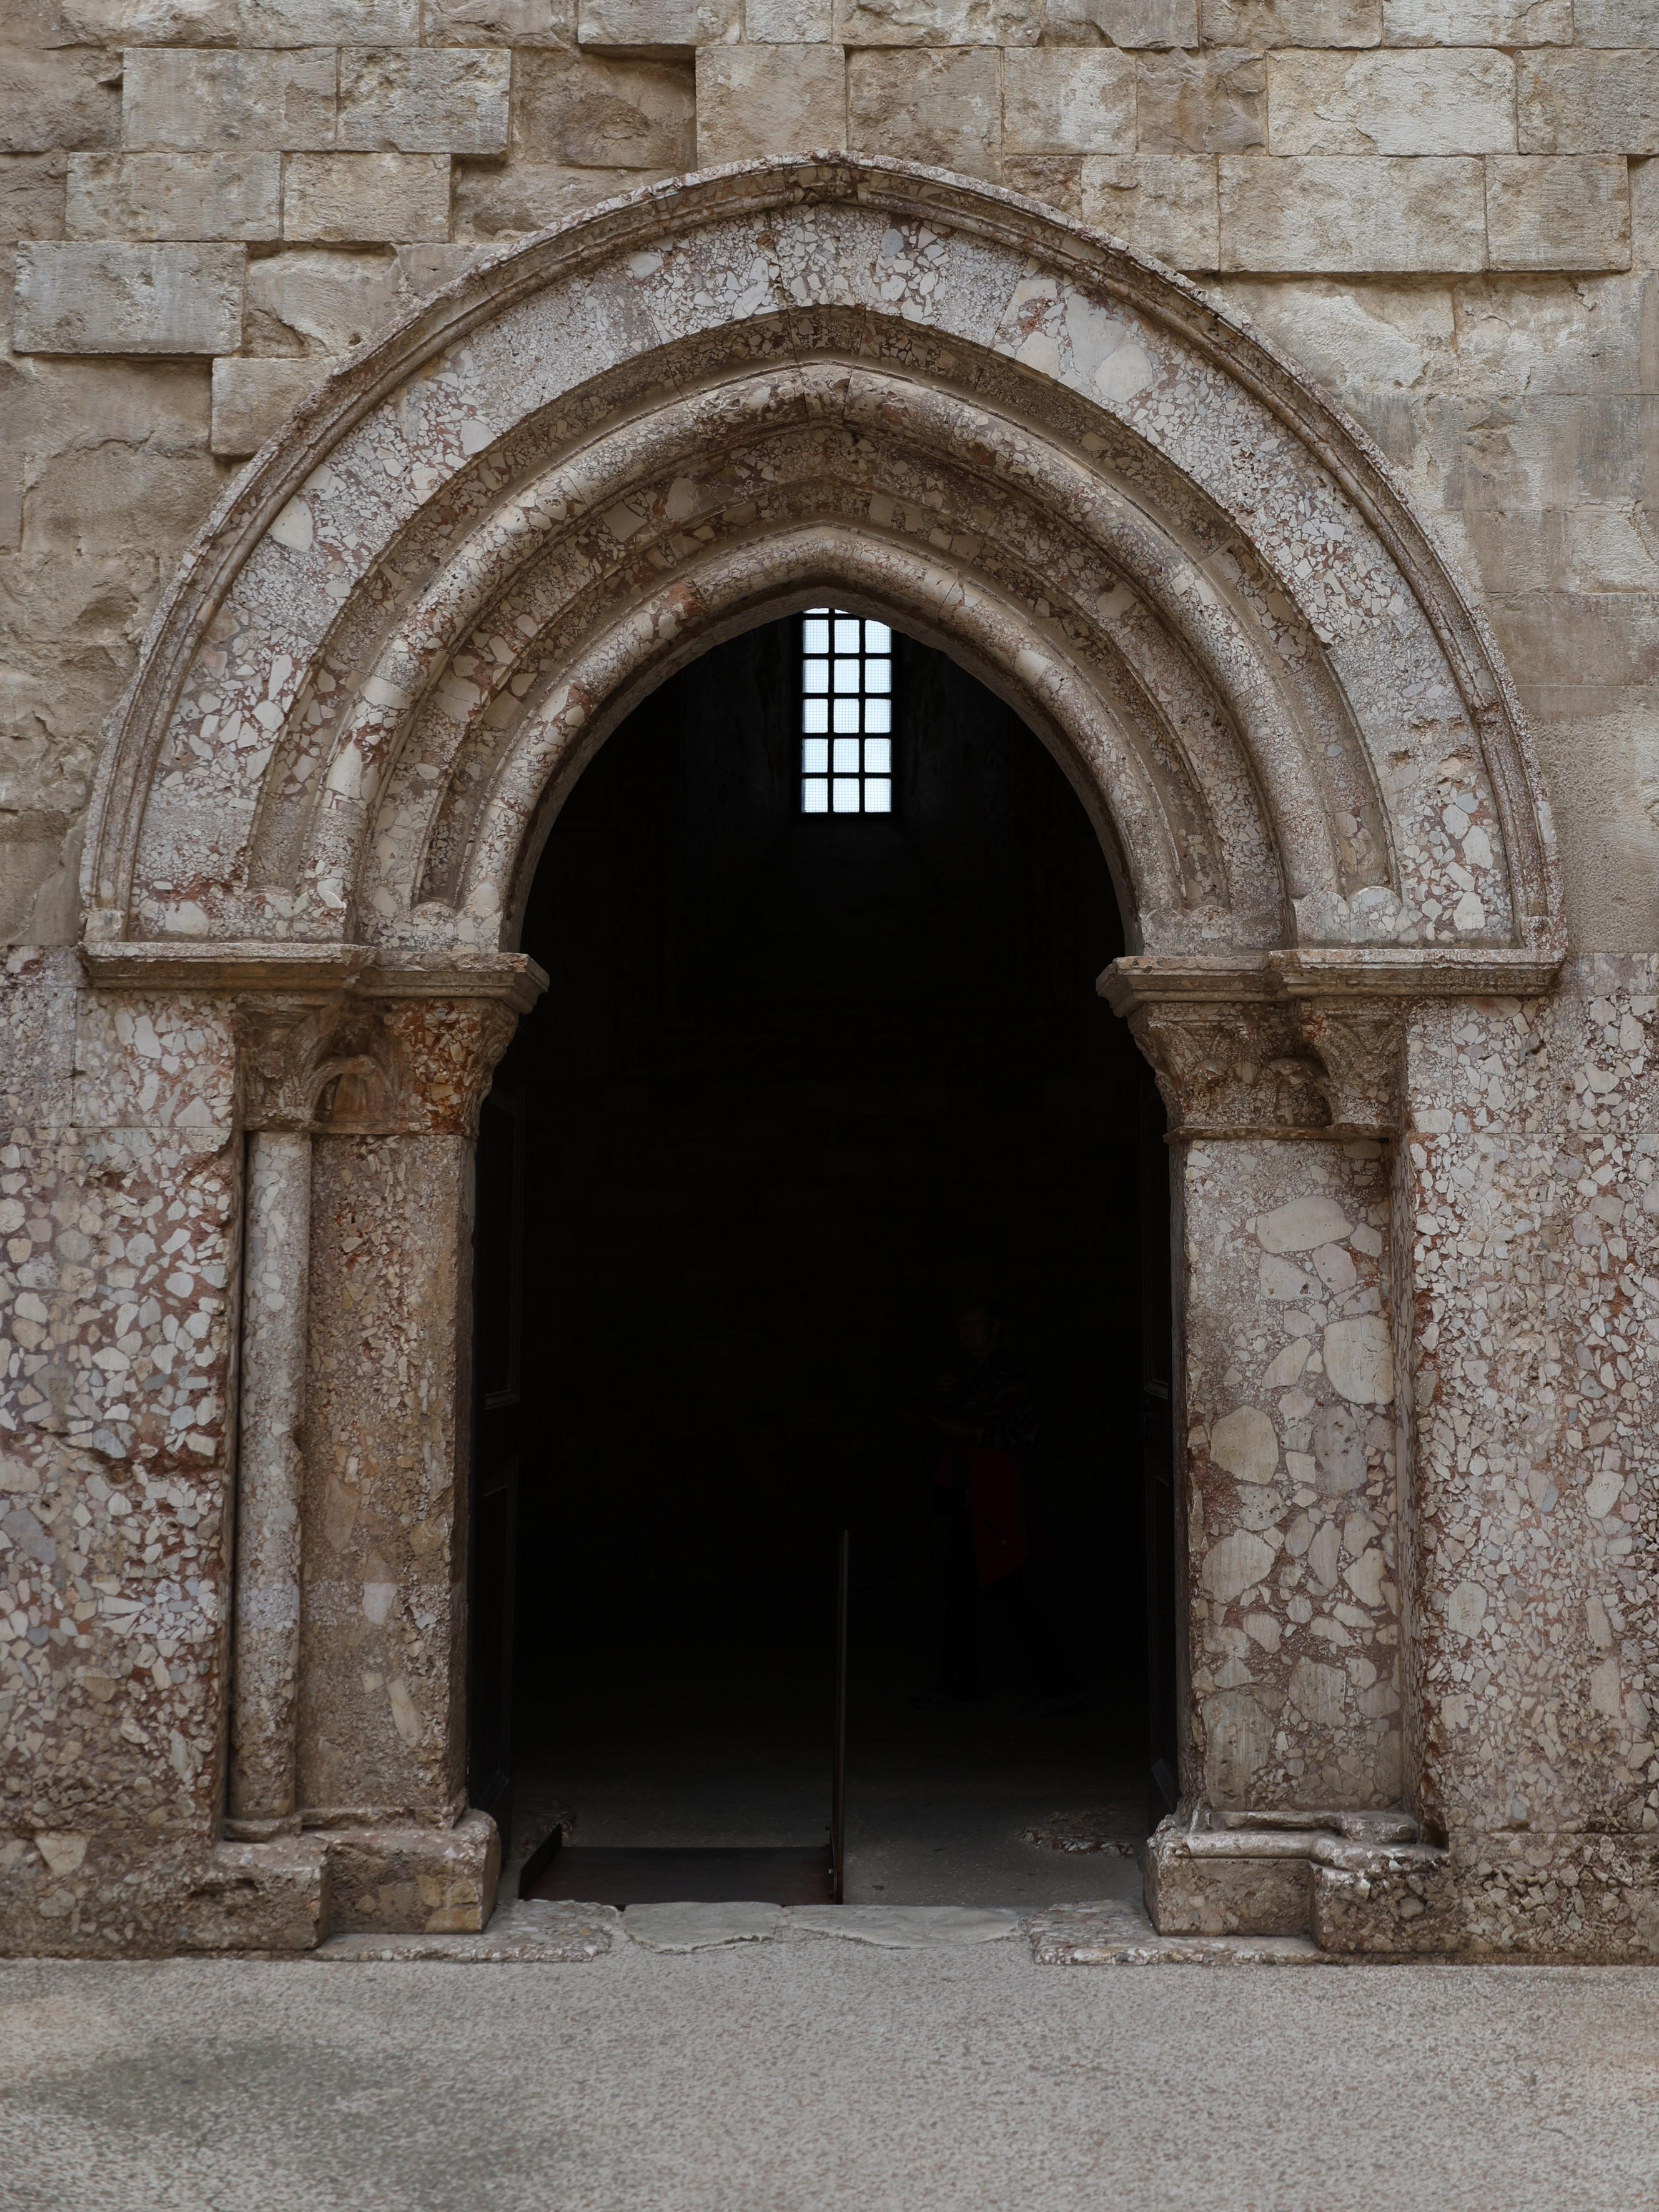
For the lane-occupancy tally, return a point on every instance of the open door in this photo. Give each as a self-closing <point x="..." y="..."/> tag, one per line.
<point x="498" y="1293"/>
<point x="1158" y="1455"/>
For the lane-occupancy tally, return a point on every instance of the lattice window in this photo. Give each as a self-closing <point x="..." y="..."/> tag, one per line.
<point x="847" y="713"/>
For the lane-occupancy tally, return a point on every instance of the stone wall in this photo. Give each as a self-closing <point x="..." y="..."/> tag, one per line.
<point x="1441" y="208"/>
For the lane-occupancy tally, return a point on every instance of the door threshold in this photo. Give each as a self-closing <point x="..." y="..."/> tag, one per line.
<point x="623" y="1875"/>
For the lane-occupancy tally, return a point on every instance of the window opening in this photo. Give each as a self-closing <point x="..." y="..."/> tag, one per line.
<point x="847" y="713"/>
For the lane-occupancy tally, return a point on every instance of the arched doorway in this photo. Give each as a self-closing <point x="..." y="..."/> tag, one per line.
<point x="385" y="667"/>
<point x="801" y="1083"/>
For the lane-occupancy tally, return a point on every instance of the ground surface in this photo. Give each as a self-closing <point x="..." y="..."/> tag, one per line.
<point x="816" y="2074"/>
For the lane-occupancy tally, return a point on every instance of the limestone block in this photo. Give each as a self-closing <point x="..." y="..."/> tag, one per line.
<point x="1163" y="204"/>
<point x="939" y="22"/>
<point x="259" y="1897"/>
<point x="421" y="100"/>
<point x="253" y="398"/>
<point x="1292" y="22"/>
<point x="1056" y="100"/>
<point x="1125" y="23"/>
<point x="31" y="195"/>
<point x="347" y="200"/>
<point x="1456" y="101"/>
<point x="753" y="101"/>
<point x="254" y="25"/>
<point x="433" y="1881"/>
<point x="1054" y="179"/>
<point x="579" y="110"/>
<point x="68" y="98"/>
<point x="1408" y="1905"/>
<point x="311" y="302"/>
<point x="491" y="202"/>
<point x="1545" y="212"/>
<point x="1210" y="103"/>
<point x="128" y="299"/>
<point x="1599" y="102"/>
<point x="789" y="22"/>
<point x="1615" y="23"/>
<point x="230" y="196"/>
<point x="192" y="100"/>
<point x="1352" y="213"/>
<point x="943" y="105"/>
<point x="499" y="23"/>
<point x="1479" y="24"/>
<point x="638" y="25"/>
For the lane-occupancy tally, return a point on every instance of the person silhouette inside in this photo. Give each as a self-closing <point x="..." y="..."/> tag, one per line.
<point x="992" y="1539"/>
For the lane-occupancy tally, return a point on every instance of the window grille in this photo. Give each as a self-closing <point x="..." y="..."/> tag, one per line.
<point x="847" y="713"/>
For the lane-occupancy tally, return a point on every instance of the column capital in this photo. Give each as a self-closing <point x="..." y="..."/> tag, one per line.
<point x="346" y="1037"/>
<point x="1307" y="1042"/>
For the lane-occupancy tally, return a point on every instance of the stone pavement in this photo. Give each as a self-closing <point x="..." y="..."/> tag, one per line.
<point x="809" y="2075"/>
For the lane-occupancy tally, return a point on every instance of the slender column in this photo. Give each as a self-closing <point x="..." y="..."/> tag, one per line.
<point x="1281" y="1118"/>
<point x="271" y="1468"/>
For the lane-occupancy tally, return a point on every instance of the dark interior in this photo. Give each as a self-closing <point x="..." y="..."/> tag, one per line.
<point x="798" y="1086"/>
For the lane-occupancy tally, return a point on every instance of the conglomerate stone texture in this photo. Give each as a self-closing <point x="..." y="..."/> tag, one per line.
<point x="1417" y="1374"/>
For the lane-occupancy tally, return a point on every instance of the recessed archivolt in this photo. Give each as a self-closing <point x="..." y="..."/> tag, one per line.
<point x="1055" y="462"/>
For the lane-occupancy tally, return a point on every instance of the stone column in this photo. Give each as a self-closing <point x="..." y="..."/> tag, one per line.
<point x="1281" y="1115"/>
<point x="265" y="1647"/>
<point x="383" y="1621"/>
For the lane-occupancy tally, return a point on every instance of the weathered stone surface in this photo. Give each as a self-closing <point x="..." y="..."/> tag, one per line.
<point x="1612" y="23"/>
<point x="258" y="1897"/>
<point x="1056" y="180"/>
<point x="1116" y="1933"/>
<point x="489" y="203"/>
<point x="52" y="101"/>
<point x="1598" y="102"/>
<point x="1480" y="23"/>
<point x="938" y="22"/>
<point x="1457" y="102"/>
<point x="940" y="105"/>
<point x="1125" y="23"/>
<point x="1335" y="212"/>
<point x="253" y="24"/>
<point x="579" y="110"/>
<point x="129" y="298"/>
<point x="701" y="1927"/>
<point x="32" y="195"/>
<point x="1188" y="1896"/>
<point x="905" y="1927"/>
<point x="174" y="196"/>
<point x="526" y="23"/>
<point x="437" y="1881"/>
<point x="345" y="199"/>
<point x="1545" y="213"/>
<point x="750" y="98"/>
<point x="788" y="22"/>
<point x="1058" y="100"/>
<point x="540" y="1932"/>
<point x="683" y="25"/>
<point x="1207" y="103"/>
<point x="1163" y="204"/>
<point x="314" y="302"/>
<point x="419" y="100"/>
<point x="1261" y="23"/>
<point x="191" y="101"/>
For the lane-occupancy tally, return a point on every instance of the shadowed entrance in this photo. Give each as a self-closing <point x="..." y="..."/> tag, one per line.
<point x="800" y="1085"/>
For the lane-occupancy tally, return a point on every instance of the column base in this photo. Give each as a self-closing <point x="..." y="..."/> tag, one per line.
<point x="289" y="1892"/>
<point x="1355" y="1882"/>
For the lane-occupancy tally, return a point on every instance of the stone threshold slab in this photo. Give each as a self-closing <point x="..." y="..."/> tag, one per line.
<point x="1121" y="1935"/>
<point x="538" y="1933"/>
<point x="556" y="1932"/>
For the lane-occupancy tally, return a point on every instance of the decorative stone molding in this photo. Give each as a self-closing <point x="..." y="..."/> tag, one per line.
<point x="1309" y="1042"/>
<point x="342" y="1038"/>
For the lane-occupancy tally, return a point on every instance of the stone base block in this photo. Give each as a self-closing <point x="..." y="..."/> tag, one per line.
<point x="430" y="1881"/>
<point x="1593" y="1900"/>
<point x="1227" y="1897"/>
<point x="1405" y="1907"/>
<point x="259" y="1897"/>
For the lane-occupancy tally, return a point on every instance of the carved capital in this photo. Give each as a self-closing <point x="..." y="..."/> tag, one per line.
<point x="1238" y="1069"/>
<point x="294" y="1050"/>
<point x="1267" y="1044"/>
